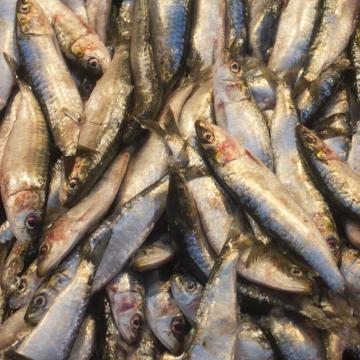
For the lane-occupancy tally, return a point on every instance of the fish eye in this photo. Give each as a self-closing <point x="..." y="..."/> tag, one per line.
<point x="177" y="326"/>
<point x="136" y="322"/>
<point x="73" y="184"/>
<point x="93" y="64"/>
<point x="295" y="271"/>
<point x="208" y="136"/>
<point x="40" y="301"/>
<point x="32" y="222"/>
<point x="21" y="285"/>
<point x="43" y="250"/>
<point x="234" y="67"/>
<point x="24" y="7"/>
<point x="191" y="285"/>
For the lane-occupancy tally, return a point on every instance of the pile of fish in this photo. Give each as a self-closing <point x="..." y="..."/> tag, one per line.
<point x="180" y="179"/>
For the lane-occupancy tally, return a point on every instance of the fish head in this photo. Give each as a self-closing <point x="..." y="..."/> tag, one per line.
<point x="24" y="288"/>
<point x="75" y="181"/>
<point x="30" y="19"/>
<point x="16" y="261"/>
<point x="24" y="210"/>
<point x="216" y="142"/>
<point x="186" y="290"/>
<point x="128" y="311"/>
<point x="313" y="146"/>
<point x="92" y="54"/>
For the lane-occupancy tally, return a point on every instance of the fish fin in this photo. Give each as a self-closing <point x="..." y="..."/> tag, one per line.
<point x="170" y="125"/>
<point x="256" y="251"/>
<point x="195" y="172"/>
<point x="84" y="150"/>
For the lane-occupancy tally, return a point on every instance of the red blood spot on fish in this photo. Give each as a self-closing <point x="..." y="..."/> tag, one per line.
<point x="227" y="148"/>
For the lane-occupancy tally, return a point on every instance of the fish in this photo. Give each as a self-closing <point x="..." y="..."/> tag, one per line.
<point x="293" y="174"/>
<point x="314" y="97"/>
<point x="186" y="229"/>
<point x="129" y="227"/>
<point x="335" y="26"/>
<point x="293" y="337"/>
<point x="150" y="162"/>
<point x="78" y="7"/>
<point x="263" y="30"/>
<point x="355" y="61"/>
<point x="44" y="296"/>
<point x="77" y="40"/>
<point x="147" y="349"/>
<point x="206" y="19"/>
<point x="293" y="39"/>
<point x="49" y="76"/>
<point x="105" y="112"/>
<point x="164" y="318"/>
<point x="98" y="13"/>
<point x="24" y="178"/>
<point x="67" y="230"/>
<point x="8" y="45"/>
<point x="169" y="27"/>
<point x="84" y="345"/>
<point x="8" y="121"/>
<point x="216" y="321"/>
<point x="147" y="88"/>
<point x="126" y="296"/>
<point x="14" y="329"/>
<point x="236" y="36"/>
<point x="335" y="343"/>
<point x="26" y="285"/>
<point x="47" y="340"/>
<point x="252" y="343"/>
<point x="339" y="183"/>
<point x="235" y="166"/>
<point x="153" y="255"/>
<point x="187" y="293"/>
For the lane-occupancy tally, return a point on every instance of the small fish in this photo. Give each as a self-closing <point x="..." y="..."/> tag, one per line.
<point x="187" y="293"/>
<point x="153" y="255"/>
<point x="252" y="344"/>
<point x="68" y="229"/>
<point x="293" y="338"/>
<point x="77" y="40"/>
<point x="129" y="226"/>
<point x="49" y="76"/>
<point x="147" y="348"/>
<point x="164" y="317"/>
<point x="126" y="296"/>
<point x="78" y="7"/>
<point x="245" y="175"/>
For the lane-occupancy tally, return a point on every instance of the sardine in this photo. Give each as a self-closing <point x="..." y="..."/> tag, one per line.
<point x="78" y="7"/>
<point x="169" y="26"/>
<point x="292" y="173"/>
<point x="187" y="293"/>
<point x="129" y="227"/>
<point x="235" y="166"/>
<point x="50" y="79"/>
<point x="126" y="296"/>
<point x="98" y="13"/>
<point x="355" y="60"/>
<point x="164" y="317"/>
<point x="294" y="339"/>
<point x="8" y="46"/>
<point x="153" y="255"/>
<point x="67" y="230"/>
<point x="147" y="349"/>
<point x="293" y="38"/>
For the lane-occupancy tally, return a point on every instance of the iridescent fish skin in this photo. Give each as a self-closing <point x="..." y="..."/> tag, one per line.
<point x="50" y="79"/>
<point x="7" y="45"/>
<point x="336" y="24"/>
<point x="126" y="296"/>
<point x="169" y="26"/>
<point x="292" y="173"/>
<point x="235" y="166"/>
<point x="293" y="38"/>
